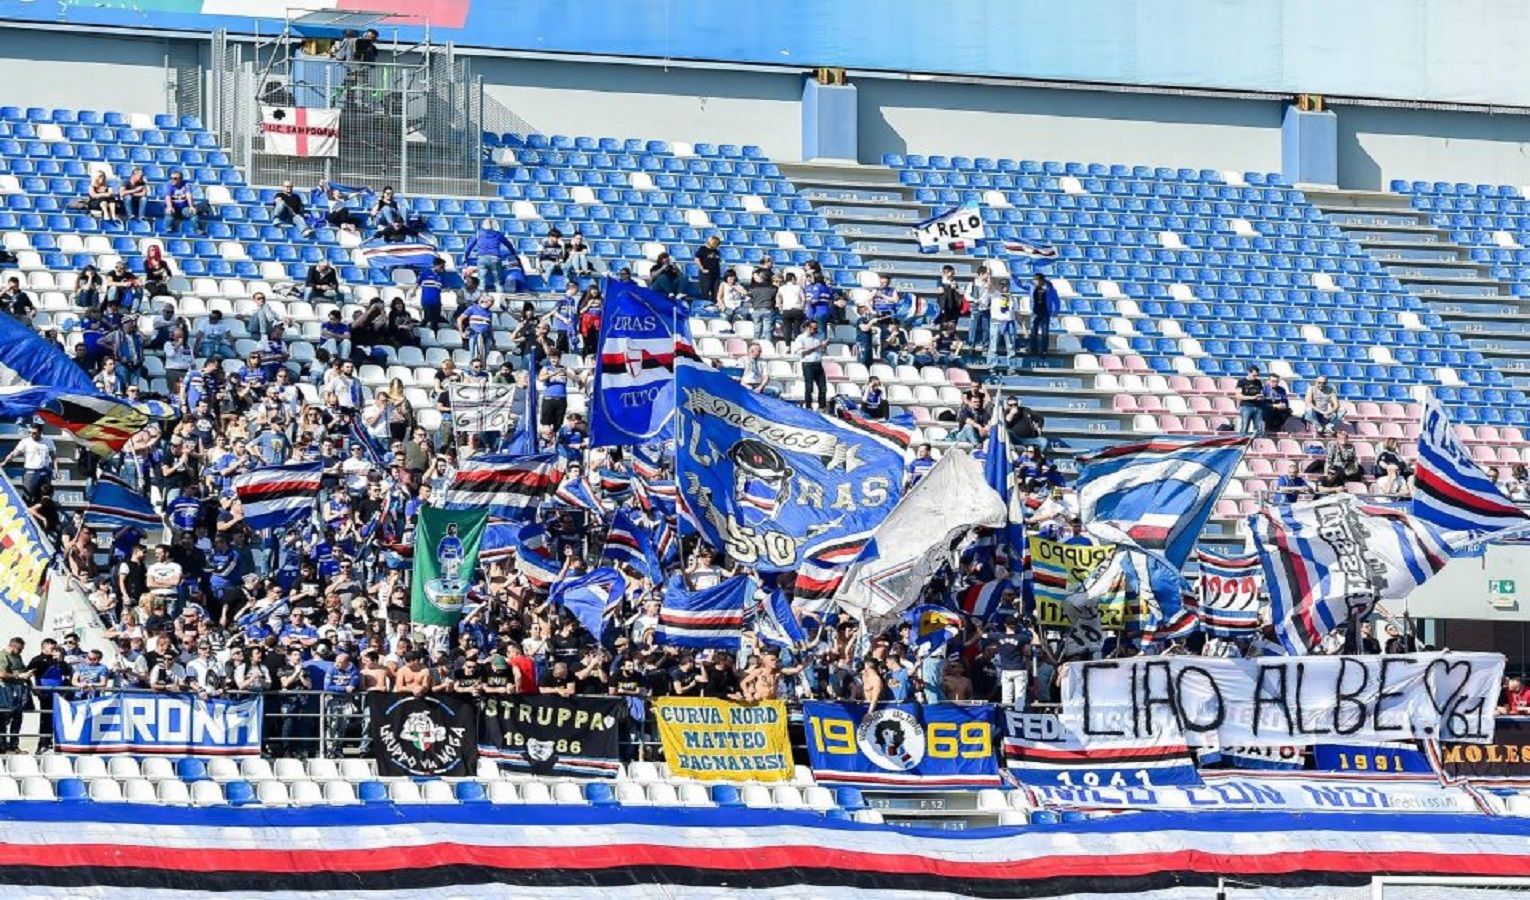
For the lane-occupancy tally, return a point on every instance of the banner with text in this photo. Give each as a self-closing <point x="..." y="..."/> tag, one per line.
<point x="1285" y="700"/>
<point x="160" y="724"/>
<point x="904" y="744"/>
<point x="1381" y="760"/>
<point x="1507" y="757"/>
<point x="434" y="736"/>
<point x="717" y="740"/>
<point x="544" y="734"/>
<point x="1269" y="793"/>
<point x="954" y="229"/>
<point x="479" y="406"/>
<point x="1040" y="750"/>
<point x="1058" y="570"/>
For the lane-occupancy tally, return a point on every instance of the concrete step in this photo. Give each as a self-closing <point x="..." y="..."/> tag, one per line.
<point x="851" y="194"/>
<point x="1347" y="200"/>
<point x="1411" y="253"/>
<point x="1430" y="288"/>
<point x="1403" y="236"/>
<point x="1378" y="218"/>
<point x="839" y="212"/>
<point x="1439" y="272"/>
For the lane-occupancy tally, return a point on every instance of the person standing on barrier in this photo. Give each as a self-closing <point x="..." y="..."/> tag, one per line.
<point x="13" y="694"/>
<point x="342" y="687"/>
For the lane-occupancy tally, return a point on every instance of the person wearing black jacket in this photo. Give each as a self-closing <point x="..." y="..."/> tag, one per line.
<point x="949" y="303"/>
<point x="1025" y="425"/>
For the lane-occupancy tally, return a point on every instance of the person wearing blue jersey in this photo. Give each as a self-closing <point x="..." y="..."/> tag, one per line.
<point x="477" y="324"/>
<point x="498" y="263"/>
<point x="554" y="380"/>
<point x="428" y="287"/>
<point x="918" y="467"/>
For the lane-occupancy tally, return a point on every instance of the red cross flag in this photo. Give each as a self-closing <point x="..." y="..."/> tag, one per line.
<point x="300" y="131"/>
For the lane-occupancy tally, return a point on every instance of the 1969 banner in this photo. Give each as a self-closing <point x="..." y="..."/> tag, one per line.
<point x="902" y="744"/>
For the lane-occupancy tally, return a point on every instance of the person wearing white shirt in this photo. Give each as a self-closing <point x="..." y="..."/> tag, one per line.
<point x="791" y="304"/>
<point x="37" y="454"/>
<point x="979" y="294"/>
<point x="756" y="376"/>
<point x="1002" y="328"/>
<point x="355" y="469"/>
<point x="809" y="347"/>
<point x="215" y="338"/>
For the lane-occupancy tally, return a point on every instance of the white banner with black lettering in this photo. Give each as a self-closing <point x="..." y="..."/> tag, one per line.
<point x="483" y="406"/>
<point x="300" y="131"/>
<point x="1285" y="700"/>
<point x="173" y="724"/>
<point x="955" y="229"/>
<point x="1271" y="794"/>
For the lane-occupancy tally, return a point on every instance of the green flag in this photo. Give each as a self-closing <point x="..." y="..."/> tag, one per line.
<point x="445" y="555"/>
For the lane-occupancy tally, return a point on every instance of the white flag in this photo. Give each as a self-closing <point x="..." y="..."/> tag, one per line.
<point x="956" y="229"/>
<point x="920" y="534"/>
<point x="300" y="131"/>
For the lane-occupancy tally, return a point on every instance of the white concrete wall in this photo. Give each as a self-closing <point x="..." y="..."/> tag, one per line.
<point x="651" y="102"/>
<point x="79" y="71"/>
<point x="1377" y="145"/>
<point x="1067" y="126"/>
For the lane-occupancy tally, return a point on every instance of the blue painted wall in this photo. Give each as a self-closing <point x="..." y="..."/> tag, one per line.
<point x="1445" y="50"/>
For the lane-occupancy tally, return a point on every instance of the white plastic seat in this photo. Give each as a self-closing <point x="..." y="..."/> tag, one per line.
<point x="306" y="793"/>
<point x="9" y="789"/>
<point x="323" y="769"/>
<point x="339" y="793"/>
<point x="437" y="792"/>
<point x="404" y="792"/>
<point x="693" y="794"/>
<point x="255" y="768"/>
<point x="567" y="793"/>
<point x="207" y="793"/>
<point x="990" y="799"/>
<point x="506" y="792"/>
<point x="22" y="766"/>
<point x="663" y="794"/>
<point x="643" y="772"/>
<point x="788" y="797"/>
<point x="287" y="769"/>
<point x="757" y="796"/>
<point x="123" y="768"/>
<point x="272" y="793"/>
<point x="221" y="769"/>
<point x="90" y="767"/>
<point x="56" y="765"/>
<point x="173" y="791"/>
<point x="157" y="768"/>
<point x="138" y="790"/>
<point x="818" y="798"/>
<point x="36" y="787"/>
<point x="105" y="790"/>
<point x="630" y="793"/>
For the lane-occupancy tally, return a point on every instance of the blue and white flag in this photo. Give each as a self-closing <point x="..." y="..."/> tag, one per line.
<point x="769" y="482"/>
<point x="1038" y="254"/>
<point x="999" y="472"/>
<point x="954" y="229"/>
<point x="534" y="556"/>
<point x="279" y="496"/>
<point x="1334" y="558"/>
<point x="526" y="441"/>
<point x="113" y="504"/>
<point x="712" y="618"/>
<point x="1159" y="493"/>
<point x="1228" y="590"/>
<point x="575" y="492"/>
<point x="594" y="599"/>
<point x="381" y="254"/>
<point x="933" y="628"/>
<point x="499" y="541"/>
<point x="1450" y="491"/>
<point x="775" y="621"/>
<point x="642" y="335"/>
<point x="630" y="542"/>
<point x="511" y="487"/>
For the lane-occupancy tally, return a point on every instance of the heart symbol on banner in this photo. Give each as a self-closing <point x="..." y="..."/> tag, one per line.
<point x="1446" y="670"/>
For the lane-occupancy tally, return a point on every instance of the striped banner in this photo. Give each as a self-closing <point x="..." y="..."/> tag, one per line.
<point x="1228" y="592"/>
<point x="510" y="486"/>
<point x="711" y="618"/>
<point x="1451" y="492"/>
<point x="279" y="496"/>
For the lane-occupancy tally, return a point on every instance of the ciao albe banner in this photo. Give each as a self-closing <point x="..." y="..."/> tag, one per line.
<point x="716" y="740"/>
<point x="1295" y="701"/>
<point x="435" y="735"/>
<point x="177" y="724"/>
<point x="545" y="734"/>
<point x="903" y="744"/>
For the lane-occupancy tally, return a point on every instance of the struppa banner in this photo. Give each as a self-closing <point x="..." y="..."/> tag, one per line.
<point x="544" y="734"/>
<point x="159" y="724"/>
<point x="717" y="740"/>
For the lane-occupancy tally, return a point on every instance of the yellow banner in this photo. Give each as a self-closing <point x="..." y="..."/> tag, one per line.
<point x="1057" y="570"/>
<point x="717" y="740"/>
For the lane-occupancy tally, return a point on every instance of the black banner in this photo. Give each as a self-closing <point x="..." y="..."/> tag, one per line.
<point x="545" y="734"/>
<point x="1507" y="757"/>
<point x="431" y="735"/>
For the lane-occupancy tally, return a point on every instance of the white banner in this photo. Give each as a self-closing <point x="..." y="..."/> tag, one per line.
<point x="957" y="229"/>
<point x="483" y="406"/>
<point x="1285" y="700"/>
<point x="300" y="130"/>
<point x="1252" y="792"/>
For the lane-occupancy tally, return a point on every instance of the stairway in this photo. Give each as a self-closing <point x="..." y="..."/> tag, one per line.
<point x="1442" y="274"/>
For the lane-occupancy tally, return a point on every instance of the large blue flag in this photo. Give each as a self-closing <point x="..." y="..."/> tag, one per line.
<point x="770" y="482"/>
<point x="594" y="599"/>
<point x="113" y="504"/>
<point x="37" y="378"/>
<point x="1450" y="491"/>
<point x="1159" y="494"/>
<point x="525" y="441"/>
<point x="998" y="471"/>
<point x="712" y="618"/>
<point x="776" y="622"/>
<point x="642" y="333"/>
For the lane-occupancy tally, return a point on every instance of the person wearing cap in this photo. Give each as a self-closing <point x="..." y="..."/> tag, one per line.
<point x="38" y="454"/>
